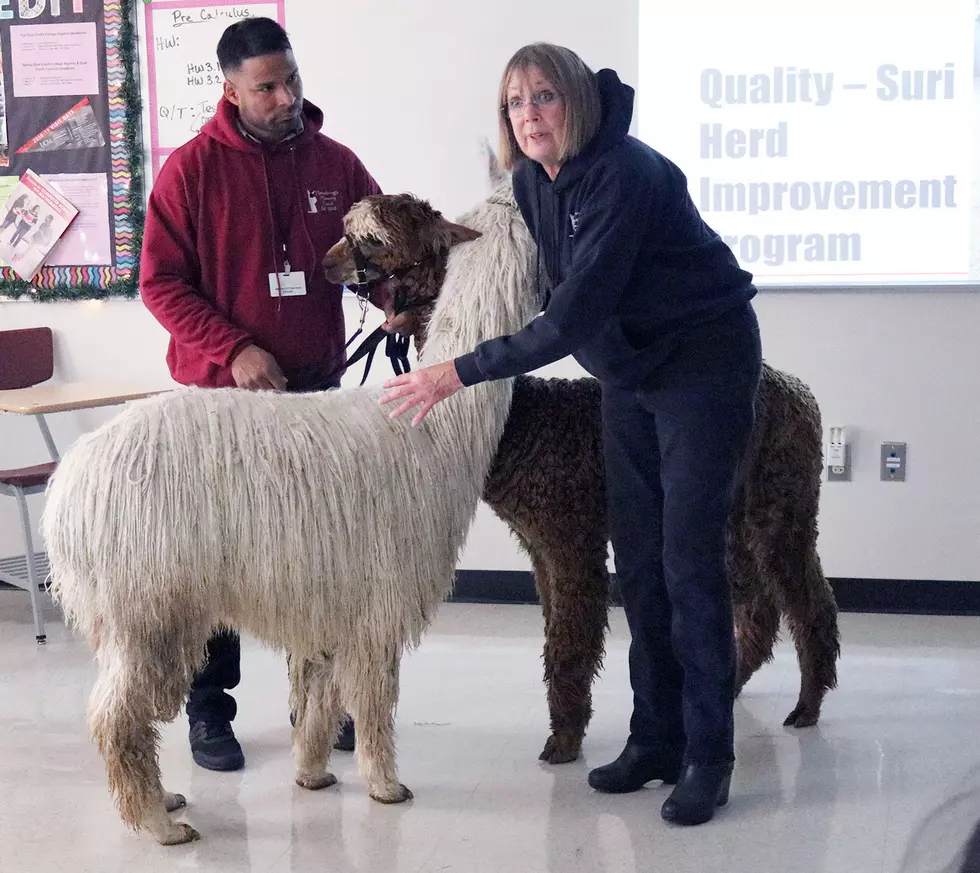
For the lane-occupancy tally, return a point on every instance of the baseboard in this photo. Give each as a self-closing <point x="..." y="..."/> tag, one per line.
<point x="908" y="596"/>
<point x="902" y="596"/>
<point x="899" y="596"/>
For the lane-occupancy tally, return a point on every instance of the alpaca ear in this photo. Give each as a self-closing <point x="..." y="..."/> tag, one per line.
<point x="495" y="174"/>
<point x="460" y="234"/>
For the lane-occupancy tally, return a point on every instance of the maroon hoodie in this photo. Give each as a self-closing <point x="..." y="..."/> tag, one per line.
<point x="221" y="211"/>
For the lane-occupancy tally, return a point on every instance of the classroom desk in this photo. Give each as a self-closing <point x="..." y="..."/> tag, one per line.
<point x="68" y="396"/>
<point x="37" y="401"/>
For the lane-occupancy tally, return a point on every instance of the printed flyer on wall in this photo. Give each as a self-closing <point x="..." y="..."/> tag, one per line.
<point x="78" y="128"/>
<point x="34" y="217"/>
<point x="4" y="143"/>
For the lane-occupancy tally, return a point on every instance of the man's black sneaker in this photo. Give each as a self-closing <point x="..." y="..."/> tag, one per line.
<point x="214" y="746"/>
<point x="345" y="739"/>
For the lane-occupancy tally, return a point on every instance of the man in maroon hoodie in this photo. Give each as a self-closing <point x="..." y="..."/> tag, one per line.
<point x="237" y="225"/>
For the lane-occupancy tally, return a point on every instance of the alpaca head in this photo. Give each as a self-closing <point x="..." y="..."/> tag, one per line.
<point x="398" y="246"/>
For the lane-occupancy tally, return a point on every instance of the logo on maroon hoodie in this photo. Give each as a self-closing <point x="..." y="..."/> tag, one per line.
<point x="322" y="201"/>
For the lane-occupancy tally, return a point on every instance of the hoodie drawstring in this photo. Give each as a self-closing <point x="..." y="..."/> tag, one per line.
<point x="537" y="251"/>
<point x="552" y="251"/>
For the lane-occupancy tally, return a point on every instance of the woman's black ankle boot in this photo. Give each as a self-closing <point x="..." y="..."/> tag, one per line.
<point x="636" y="766"/>
<point x="700" y="789"/>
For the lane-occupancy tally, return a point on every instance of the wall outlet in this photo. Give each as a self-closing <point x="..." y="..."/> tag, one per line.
<point x="893" y="462"/>
<point x="840" y="472"/>
<point x="838" y="456"/>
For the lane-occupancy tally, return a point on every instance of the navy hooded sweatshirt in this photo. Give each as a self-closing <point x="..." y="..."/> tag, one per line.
<point x="627" y="254"/>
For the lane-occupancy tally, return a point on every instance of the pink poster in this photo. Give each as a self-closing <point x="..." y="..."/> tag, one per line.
<point x="87" y="241"/>
<point x="50" y="60"/>
<point x="4" y="142"/>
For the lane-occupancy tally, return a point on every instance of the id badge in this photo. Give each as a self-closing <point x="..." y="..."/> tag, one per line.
<point x="291" y="284"/>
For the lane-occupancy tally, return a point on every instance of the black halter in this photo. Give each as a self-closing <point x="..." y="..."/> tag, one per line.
<point x="361" y="265"/>
<point x="363" y="286"/>
<point x="397" y="345"/>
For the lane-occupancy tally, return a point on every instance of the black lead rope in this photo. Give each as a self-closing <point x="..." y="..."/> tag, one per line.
<point x="397" y="345"/>
<point x="397" y="352"/>
<point x="396" y="348"/>
<point x="368" y="348"/>
<point x="374" y="337"/>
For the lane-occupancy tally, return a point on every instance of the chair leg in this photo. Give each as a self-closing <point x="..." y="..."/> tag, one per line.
<point x="32" y="574"/>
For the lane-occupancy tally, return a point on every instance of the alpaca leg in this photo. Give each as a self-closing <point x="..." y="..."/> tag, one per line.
<point x="314" y="710"/>
<point x="812" y="619"/>
<point x="573" y="650"/>
<point x="371" y="686"/>
<point x="545" y="584"/>
<point x="121" y="718"/>
<point x="756" y="617"/>
<point x="756" y="632"/>
<point x="542" y="581"/>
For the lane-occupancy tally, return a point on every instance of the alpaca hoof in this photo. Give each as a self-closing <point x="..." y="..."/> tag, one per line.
<point x="315" y="783"/>
<point x="181" y="833"/>
<point x="173" y="801"/>
<point x="561" y="749"/>
<point x="801" y="717"/>
<point x="398" y="795"/>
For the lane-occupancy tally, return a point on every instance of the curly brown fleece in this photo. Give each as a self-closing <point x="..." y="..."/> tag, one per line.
<point x="547" y="483"/>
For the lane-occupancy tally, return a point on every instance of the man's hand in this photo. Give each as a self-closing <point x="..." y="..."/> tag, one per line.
<point x="256" y="370"/>
<point x="383" y="297"/>
<point x="406" y="324"/>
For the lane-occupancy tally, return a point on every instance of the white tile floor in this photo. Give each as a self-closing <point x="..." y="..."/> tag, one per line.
<point x="897" y="738"/>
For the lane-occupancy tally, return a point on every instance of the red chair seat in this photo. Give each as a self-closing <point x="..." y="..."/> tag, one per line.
<point x="27" y="477"/>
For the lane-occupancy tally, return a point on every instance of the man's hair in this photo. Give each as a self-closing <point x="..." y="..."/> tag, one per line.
<point x="250" y="38"/>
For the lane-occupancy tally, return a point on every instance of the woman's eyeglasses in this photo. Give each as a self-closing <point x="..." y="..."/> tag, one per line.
<point x="541" y="100"/>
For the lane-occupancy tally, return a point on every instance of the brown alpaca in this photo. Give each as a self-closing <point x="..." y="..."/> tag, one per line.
<point x="547" y="484"/>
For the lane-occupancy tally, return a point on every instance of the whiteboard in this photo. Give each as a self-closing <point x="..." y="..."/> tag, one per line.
<point x="184" y="81"/>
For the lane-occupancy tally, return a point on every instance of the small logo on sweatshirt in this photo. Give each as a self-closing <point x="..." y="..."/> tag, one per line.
<point x="573" y="218"/>
<point x="322" y="201"/>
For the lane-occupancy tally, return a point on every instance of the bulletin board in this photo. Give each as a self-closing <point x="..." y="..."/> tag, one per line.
<point x="70" y="111"/>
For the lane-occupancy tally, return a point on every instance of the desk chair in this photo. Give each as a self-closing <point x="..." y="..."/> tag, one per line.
<point x="26" y="359"/>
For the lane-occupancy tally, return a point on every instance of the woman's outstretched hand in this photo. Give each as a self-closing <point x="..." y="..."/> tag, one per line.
<point x="426" y="387"/>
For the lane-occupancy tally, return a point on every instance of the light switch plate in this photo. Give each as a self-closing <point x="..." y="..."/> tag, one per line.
<point x="893" y="462"/>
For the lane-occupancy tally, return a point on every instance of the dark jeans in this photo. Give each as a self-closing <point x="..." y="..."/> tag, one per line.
<point x="672" y="451"/>
<point x="208" y="700"/>
<point x="222" y="671"/>
<point x="19" y="234"/>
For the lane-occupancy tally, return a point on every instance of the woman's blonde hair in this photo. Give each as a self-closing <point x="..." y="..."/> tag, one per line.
<point x="576" y="85"/>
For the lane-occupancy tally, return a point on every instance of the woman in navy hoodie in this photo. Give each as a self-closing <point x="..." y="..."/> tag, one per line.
<point x="652" y="302"/>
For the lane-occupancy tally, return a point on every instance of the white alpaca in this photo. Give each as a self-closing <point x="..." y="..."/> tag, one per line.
<point x="314" y="522"/>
